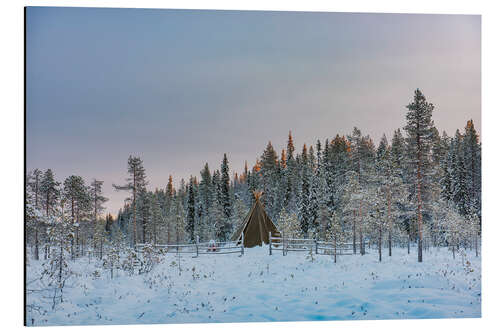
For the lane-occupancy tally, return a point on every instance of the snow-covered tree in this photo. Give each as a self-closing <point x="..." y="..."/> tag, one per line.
<point x="288" y="225"/>
<point x="136" y="182"/>
<point x="335" y="234"/>
<point x="419" y="129"/>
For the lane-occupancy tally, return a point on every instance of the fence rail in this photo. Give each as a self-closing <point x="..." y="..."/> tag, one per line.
<point x="198" y="248"/>
<point x="281" y="244"/>
<point x="284" y="245"/>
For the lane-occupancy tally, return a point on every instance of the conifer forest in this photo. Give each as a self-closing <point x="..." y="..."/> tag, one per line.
<point x="411" y="202"/>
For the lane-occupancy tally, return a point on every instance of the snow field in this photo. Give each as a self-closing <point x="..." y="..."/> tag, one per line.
<point x="258" y="287"/>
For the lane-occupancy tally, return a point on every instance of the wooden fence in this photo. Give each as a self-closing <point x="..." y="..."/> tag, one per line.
<point x="196" y="249"/>
<point x="281" y="244"/>
<point x="285" y="245"/>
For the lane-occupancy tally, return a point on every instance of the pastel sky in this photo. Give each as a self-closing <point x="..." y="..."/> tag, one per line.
<point x="181" y="87"/>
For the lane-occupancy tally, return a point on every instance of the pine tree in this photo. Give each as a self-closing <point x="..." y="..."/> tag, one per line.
<point x="57" y="270"/>
<point x="362" y="156"/>
<point x="97" y="199"/>
<point x="49" y="190"/>
<point x="34" y="216"/>
<point x="419" y="129"/>
<point x="76" y="196"/>
<point x="136" y="182"/>
<point x="335" y="234"/>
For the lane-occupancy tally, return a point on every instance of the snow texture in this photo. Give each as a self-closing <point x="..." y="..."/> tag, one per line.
<point x="257" y="287"/>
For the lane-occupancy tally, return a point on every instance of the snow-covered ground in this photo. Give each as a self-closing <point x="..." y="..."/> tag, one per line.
<point x="259" y="287"/>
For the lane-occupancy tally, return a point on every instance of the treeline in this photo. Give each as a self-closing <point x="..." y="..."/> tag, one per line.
<point x="419" y="184"/>
<point x="71" y="205"/>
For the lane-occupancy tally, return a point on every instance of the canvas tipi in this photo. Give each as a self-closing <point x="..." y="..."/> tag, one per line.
<point x="256" y="226"/>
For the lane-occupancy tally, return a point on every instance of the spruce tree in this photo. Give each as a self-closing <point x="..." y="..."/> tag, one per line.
<point x="225" y="197"/>
<point x="190" y="223"/>
<point x="305" y="195"/>
<point x="472" y="163"/>
<point x="459" y="188"/>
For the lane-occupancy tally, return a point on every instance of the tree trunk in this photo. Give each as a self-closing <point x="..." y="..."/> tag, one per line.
<point x="77" y="242"/>
<point x="60" y="261"/>
<point x="390" y="220"/>
<point x="335" y="248"/>
<point x="143" y="230"/>
<point x="354" y="232"/>
<point x="475" y="243"/>
<point x="361" y="243"/>
<point x="93" y="245"/>
<point x="36" y="242"/>
<point x="419" y="199"/>
<point x="100" y="247"/>
<point x="133" y="194"/>
<point x="380" y="243"/>
<point x="47" y="205"/>
<point x="408" y="242"/>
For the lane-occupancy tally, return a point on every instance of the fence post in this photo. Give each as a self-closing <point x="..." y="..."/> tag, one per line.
<point x="408" y="243"/>
<point x="283" y="242"/>
<point x="316" y="245"/>
<point x="197" y="241"/>
<point x="270" y="247"/>
<point x="242" y="244"/>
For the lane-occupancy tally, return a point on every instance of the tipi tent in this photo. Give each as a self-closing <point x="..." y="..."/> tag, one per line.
<point x="256" y="226"/>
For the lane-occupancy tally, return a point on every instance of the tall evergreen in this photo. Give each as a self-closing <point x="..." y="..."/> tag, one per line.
<point x="225" y="197"/>
<point x="190" y="223"/>
<point x="97" y="200"/>
<point x="459" y="188"/>
<point x="290" y="175"/>
<point x="136" y="182"/>
<point x="419" y="130"/>
<point x="76" y="195"/>
<point x="269" y="172"/>
<point x="472" y="163"/>
<point x="49" y="190"/>
<point x="305" y="194"/>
